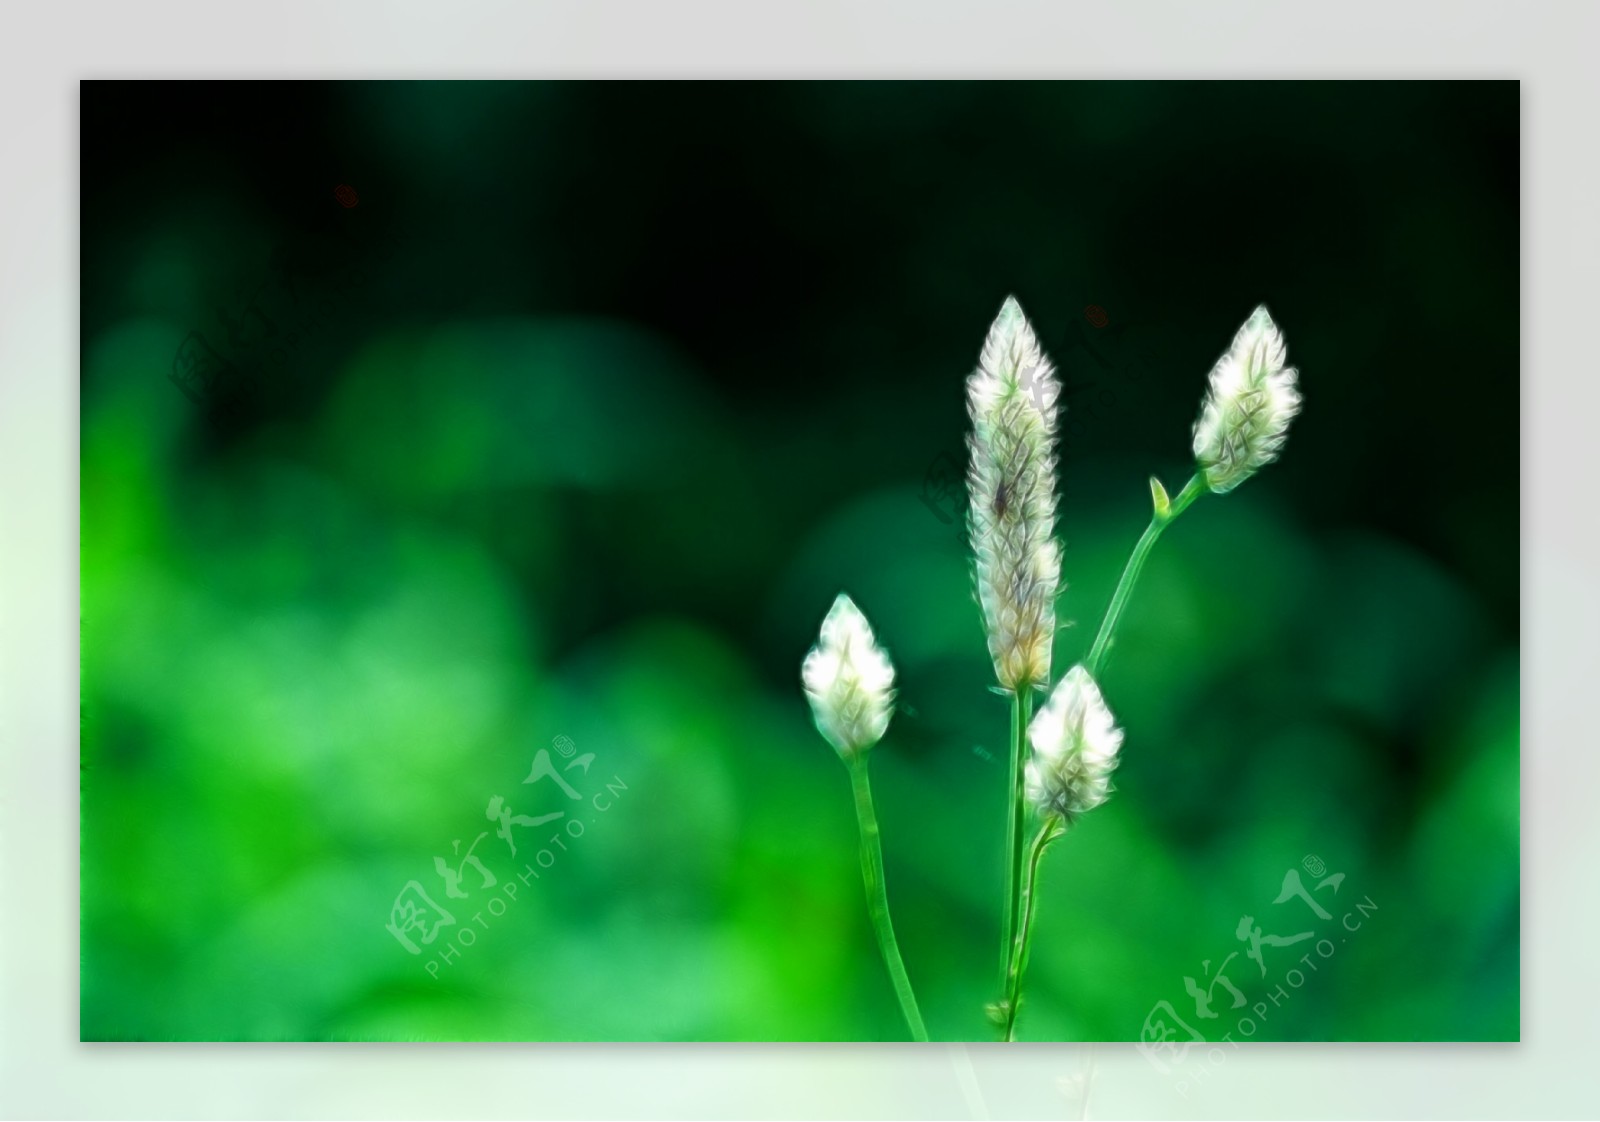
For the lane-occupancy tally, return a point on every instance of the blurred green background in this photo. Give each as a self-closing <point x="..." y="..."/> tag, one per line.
<point x="542" y="411"/>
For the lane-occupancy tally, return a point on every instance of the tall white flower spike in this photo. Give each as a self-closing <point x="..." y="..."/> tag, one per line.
<point x="849" y="681"/>
<point x="1012" y="481"/>
<point x="1252" y="397"/>
<point x="1075" y="743"/>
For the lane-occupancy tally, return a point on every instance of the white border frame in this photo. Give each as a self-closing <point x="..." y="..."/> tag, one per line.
<point x="46" y="1073"/>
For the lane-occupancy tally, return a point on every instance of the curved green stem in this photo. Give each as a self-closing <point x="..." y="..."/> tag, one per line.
<point x="1021" y="710"/>
<point x="878" y="896"/>
<point x="1052" y="829"/>
<point x="1119" y="599"/>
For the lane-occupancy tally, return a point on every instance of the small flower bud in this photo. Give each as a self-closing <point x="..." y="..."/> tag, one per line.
<point x="1248" y="407"/>
<point x="849" y="681"/>
<point x="1075" y="742"/>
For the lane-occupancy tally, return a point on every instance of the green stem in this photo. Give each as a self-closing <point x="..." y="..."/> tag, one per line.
<point x="878" y="896"/>
<point x="1021" y="710"/>
<point x="1049" y="832"/>
<point x="1119" y="599"/>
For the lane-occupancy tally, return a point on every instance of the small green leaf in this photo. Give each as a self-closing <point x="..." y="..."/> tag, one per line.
<point x="1158" y="496"/>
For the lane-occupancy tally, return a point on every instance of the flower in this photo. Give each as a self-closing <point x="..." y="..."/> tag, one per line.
<point x="1075" y="741"/>
<point x="1248" y="407"/>
<point x="849" y="681"/>
<point x="1011" y="398"/>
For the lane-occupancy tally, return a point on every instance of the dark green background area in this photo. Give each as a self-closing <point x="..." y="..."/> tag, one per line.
<point x="576" y="421"/>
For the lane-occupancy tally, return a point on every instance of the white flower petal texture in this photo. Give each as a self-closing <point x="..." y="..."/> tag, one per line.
<point x="849" y="681"/>
<point x="1075" y="744"/>
<point x="1252" y="397"/>
<point x="1011" y="482"/>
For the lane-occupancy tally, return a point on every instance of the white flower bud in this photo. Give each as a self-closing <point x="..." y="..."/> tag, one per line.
<point x="1075" y="742"/>
<point x="1012" y="400"/>
<point x="849" y="681"/>
<point x="1248" y="407"/>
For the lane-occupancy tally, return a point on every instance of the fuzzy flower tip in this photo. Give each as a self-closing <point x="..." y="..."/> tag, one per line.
<point x="1252" y="398"/>
<point x="849" y="681"/>
<point x="1075" y="742"/>
<point x="1011" y="398"/>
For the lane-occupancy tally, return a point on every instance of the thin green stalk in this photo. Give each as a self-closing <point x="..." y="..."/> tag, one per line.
<point x="878" y="896"/>
<point x="1021" y="710"/>
<point x="1049" y="832"/>
<point x="1164" y="516"/>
